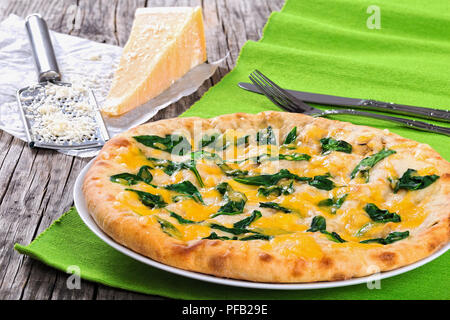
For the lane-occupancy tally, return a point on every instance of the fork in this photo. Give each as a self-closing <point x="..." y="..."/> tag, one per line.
<point x="289" y="103"/>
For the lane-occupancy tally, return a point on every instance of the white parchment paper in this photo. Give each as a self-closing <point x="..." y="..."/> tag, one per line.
<point x="79" y="60"/>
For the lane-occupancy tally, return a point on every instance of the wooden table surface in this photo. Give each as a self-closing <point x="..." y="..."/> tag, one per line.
<point x="36" y="185"/>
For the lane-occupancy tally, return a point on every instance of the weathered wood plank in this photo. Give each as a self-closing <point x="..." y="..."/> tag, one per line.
<point x="32" y="183"/>
<point x="55" y="12"/>
<point x="36" y="185"/>
<point x="95" y="20"/>
<point x="124" y="17"/>
<point x="56" y="202"/>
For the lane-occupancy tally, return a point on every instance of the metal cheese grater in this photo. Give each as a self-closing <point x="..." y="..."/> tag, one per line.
<point x="38" y="103"/>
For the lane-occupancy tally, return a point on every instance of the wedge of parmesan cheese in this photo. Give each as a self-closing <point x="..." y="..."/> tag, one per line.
<point x="164" y="44"/>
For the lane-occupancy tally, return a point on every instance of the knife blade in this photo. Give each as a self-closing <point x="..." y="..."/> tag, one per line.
<point x="364" y="104"/>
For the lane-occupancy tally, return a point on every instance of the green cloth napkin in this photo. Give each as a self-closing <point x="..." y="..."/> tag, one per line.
<point x="319" y="46"/>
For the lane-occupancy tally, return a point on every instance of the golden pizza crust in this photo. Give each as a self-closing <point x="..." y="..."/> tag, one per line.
<point x="255" y="260"/>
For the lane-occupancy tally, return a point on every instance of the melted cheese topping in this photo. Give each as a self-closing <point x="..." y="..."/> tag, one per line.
<point x="303" y="203"/>
<point x="196" y="211"/>
<point x="295" y="245"/>
<point x="132" y="158"/>
<point x="278" y="224"/>
<point x="130" y="200"/>
<point x="194" y="231"/>
<point x="287" y="232"/>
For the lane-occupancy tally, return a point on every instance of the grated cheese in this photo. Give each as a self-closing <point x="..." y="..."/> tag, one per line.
<point x="60" y="113"/>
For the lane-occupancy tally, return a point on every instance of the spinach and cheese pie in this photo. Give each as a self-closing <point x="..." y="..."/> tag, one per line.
<point x="271" y="197"/>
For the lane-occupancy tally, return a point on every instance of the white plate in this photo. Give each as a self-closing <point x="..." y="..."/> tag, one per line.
<point x="86" y="217"/>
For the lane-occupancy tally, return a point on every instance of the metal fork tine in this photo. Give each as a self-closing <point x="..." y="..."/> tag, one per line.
<point x="286" y="101"/>
<point x="274" y="85"/>
<point x="273" y="98"/>
<point x="298" y="103"/>
<point x="265" y="89"/>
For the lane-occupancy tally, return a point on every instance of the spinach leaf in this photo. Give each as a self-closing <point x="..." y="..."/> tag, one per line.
<point x="256" y="237"/>
<point x="239" y="228"/>
<point x="168" y="228"/>
<point x="145" y="175"/>
<point x="275" y="206"/>
<point x="289" y="146"/>
<point x="208" y="139"/>
<point x="180" y="219"/>
<point x="129" y="179"/>
<point x="223" y="187"/>
<point x="226" y="169"/>
<point x="277" y="190"/>
<point x="235" y="200"/>
<point x="333" y="236"/>
<point x="268" y="180"/>
<point x="202" y="154"/>
<point x="334" y="203"/>
<point x="244" y="223"/>
<point x="174" y="143"/>
<point x="364" y="229"/>
<point x="411" y="181"/>
<point x="192" y="167"/>
<point x="382" y="216"/>
<point x="318" y="224"/>
<point x="392" y="237"/>
<point x="291" y="136"/>
<point x="329" y="144"/>
<point x="322" y="182"/>
<point x="235" y="231"/>
<point x="266" y="136"/>
<point x="230" y="172"/>
<point x="326" y="202"/>
<point x="187" y="188"/>
<point x="241" y="225"/>
<point x="369" y="162"/>
<point x="170" y="167"/>
<point x="150" y="200"/>
<point x="214" y="236"/>
<point x="230" y="208"/>
<point x="339" y="201"/>
<point x="294" y="156"/>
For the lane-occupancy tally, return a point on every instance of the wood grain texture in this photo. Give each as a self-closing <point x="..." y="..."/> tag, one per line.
<point x="36" y="185"/>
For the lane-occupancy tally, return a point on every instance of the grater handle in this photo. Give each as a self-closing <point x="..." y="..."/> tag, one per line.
<point x="41" y="45"/>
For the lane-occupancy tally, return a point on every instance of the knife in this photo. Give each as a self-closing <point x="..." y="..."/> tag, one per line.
<point x="365" y="104"/>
